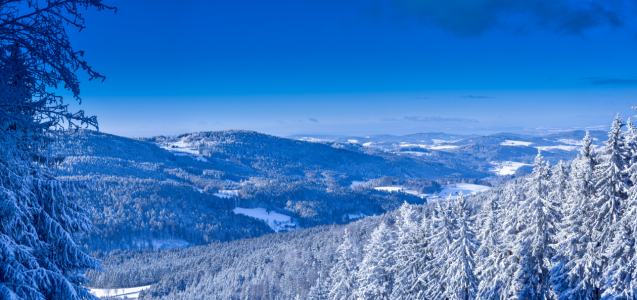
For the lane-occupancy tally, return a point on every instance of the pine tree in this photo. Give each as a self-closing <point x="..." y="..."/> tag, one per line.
<point x="375" y="277"/>
<point x="577" y="270"/>
<point x="441" y="241"/>
<point x="318" y="291"/>
<point x="489" y="250"/>
<point x="612" y="183"/>
<point x="410" y="255"/>
<point x="462" y="284"/>
<point x="342" y="275"/>
<point x="620" y="280"/>
<point x="560" y="179"/>
<point x="39" y="218"/>
<point x="536" y="240"/>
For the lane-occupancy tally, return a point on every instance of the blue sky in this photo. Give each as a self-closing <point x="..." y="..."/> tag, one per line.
<point x="360" y="67"/>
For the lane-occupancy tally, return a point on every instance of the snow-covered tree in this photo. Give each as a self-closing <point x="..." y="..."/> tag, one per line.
<point x="343" y="274"/>
<point x="612" y="182"/>
<point x="39" y="218"/>
<point x="620" y="280"/>
<point x="462" y="283"/>
<point x="560" y="179"/>
<point x="318" y="291"/>
<point x="536" y="240"/>
<point x="576" y="273"/>
<point x="375" y="277"/>
<point x="489" y="249"/>
<point x="410" y="255"/>
<point x="441" y="240"/>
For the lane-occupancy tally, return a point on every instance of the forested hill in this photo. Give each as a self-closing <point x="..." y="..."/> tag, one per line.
<point x="566" y="231"/>
<point x="278" y="156"/>
<point x="181" y="191"/>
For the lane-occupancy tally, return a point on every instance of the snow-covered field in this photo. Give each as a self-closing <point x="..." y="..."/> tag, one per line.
<point x="356" y="216"/>
<point x="454" y="190"/>
<point x="182" y="148"/>
<point x="444" y="147"/>
<point x="399" y="189"/>
<point x="276" y="221"/>
<point x="128" y="292"/>
<point x="390" y="188"/>
<point x="515" y="143"/>
<point x="227" y="193"/>
<point x="507" y="167"/>
<point x="356" y="183"/>
<point x="560" y="147"/>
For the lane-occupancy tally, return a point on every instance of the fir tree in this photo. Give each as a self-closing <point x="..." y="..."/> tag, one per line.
<point x="375" y="277"/>
<point x="411" y="256"/>
<point x="462" y="284"/>
<point x="342" y="275"/>
<point x="577" y="270"/>
<point x="537" y="239"/>
<point x="441" y="241"/>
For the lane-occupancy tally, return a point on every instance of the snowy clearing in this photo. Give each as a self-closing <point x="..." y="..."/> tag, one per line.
<point x="227" y="193"/>
<point x="356" y="216"/>
<point x="560" y="147"/>
<point x="356" y="183"/>
<point x="447" y="147"/>
<point x="128" y="292"/>
<point x="507" y="167"/>
<point x="413" y="145"/>
<point x="415" y="153"/>
<point x="515" y="143"/>
<point x="367" y="144"/>
<point x="353" y="141"/>
<point x="392" y="189"/>
<point x="389" y="188"/>
<point x="466" y="188"/>
<point x="181" y="148"/>
<point x="276" y="221"/>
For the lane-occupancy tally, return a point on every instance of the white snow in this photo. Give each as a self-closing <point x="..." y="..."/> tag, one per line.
<point x="560" y="147"/>
<point x="356" y="183"/>
<point x="399" y="188"/>
<point x="443" y="147"/>
<point x="181" y="148"/>
<point x="367" y="144"/>
<point x="227" y="193"/>
<point x="356" y="216"/>
<point x="128" y="292"/>
<point x="507" y="167"/>
<point x="353" y="141"/>
<point x="275" y="220"/>
<point x="415" y="153"/>
<point x="443" y="141"/>
<point x="466" y="188"/>
<point x="389" y="188"/>
<point x="515" y="143"/>
<point x="403" y="144"/>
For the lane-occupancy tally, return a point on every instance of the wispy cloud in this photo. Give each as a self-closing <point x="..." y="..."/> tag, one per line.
<point x="439" y="119"/>
<point x="313" y="120"/>
<point x="202" y="123"/>
<point x="389" y="119"/>
<point x="611" y="81"/>
<point x="476" y="97"/>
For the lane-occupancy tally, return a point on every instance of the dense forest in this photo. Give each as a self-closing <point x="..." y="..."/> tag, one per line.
<point x="565" y="231"/>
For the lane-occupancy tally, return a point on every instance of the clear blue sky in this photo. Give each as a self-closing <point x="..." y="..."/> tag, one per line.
<point x="360" y="66"/>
